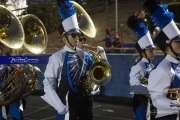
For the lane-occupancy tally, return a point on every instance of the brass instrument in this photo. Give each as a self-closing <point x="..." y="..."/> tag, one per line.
<point x="13" y="86"/>
<point x="11" y="30"/>
<point x="12" y="36"/>
<point x="31" y="80"/>
<point x="99" y="73"/>
<point x="27" y="31"/>
<point x="86" y="24"/>
<point x="173" y="94"/>
<point x="144" y="81"/>
<point x="35" y="34"/>
<point x="36" y="42"/>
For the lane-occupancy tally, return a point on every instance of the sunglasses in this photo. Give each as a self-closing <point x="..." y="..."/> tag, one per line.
<point x="74" y="35"/>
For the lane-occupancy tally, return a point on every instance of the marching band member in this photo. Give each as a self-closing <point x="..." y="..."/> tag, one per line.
<point x="140" y="71"/>
<point x="166" y="75"/>
<point x="81" y="103"/>
<point x="65" y="67"/>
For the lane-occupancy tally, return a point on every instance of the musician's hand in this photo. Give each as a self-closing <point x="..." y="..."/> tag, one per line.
<point x="100" y="49"/>
<point x="95" y="90"/>
<point x="175" y="104"/>
<point x="38" y="71"/>
<point x="62" y="110"/>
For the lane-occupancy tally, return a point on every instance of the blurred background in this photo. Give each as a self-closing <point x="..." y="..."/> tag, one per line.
<point x="106" y="14"/>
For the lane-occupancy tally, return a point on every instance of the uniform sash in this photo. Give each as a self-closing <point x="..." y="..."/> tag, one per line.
<point x="176" y="82"/>
<point x="72" y="70"/>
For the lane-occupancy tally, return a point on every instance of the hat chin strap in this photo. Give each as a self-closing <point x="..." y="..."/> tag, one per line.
<point x="70" y="43"/>
<point x="146" y="56"/>
<point x="177" y="56"/>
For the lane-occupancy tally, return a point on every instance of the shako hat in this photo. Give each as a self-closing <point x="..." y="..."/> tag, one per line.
<point x="163" y="19"/>
<point x="141" y="32"/>
<point x="69" y="18"/>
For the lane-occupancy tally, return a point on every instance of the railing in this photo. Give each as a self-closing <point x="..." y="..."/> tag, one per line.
<point x="112" y="50"/>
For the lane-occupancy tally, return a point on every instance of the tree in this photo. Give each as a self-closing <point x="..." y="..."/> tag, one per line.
<point x="175" y="8"/>
<point x="17" y="6"/>
<point x="3" y="2"/>
<point x="47" y="13"/>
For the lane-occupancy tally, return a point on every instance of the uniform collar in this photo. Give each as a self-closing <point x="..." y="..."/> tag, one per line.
<point x="66" y="48"/>
<point x="171" y="59"/>
<point x="145" y="60"/>
<point x="78" y="48"/>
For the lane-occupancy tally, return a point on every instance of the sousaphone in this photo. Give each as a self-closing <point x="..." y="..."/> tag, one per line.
<point x="12" y="36"/>
<point x="36" y="38"/>
<point x="35" y="41"/>
<point x="86" y="24"/>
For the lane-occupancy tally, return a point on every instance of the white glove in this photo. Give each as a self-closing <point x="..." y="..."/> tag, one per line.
<point x="62" y="110"/>
<point x="95" y="90"/>
<point x="38" y="71"/>
<point x="100" y="49"/>
<point x="175" y="104"/>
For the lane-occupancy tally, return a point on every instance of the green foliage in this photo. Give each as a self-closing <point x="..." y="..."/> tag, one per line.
<point x="175" y="8"/>
<point x="3" y="2"/>
<point x="47" y="13"/>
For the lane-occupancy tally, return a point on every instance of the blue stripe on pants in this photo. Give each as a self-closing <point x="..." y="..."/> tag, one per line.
<point x="59" y="117"/>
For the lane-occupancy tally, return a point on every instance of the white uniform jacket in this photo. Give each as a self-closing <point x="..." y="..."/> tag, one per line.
<point x="52" y="76"/>
<point x="159" y="82"/>
<point x="138" y="72"/>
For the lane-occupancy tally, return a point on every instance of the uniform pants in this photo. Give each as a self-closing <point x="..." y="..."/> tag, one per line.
<point x="59" y="117"/>
<point x="140" y="106"/>
<point x="80" y="106"/>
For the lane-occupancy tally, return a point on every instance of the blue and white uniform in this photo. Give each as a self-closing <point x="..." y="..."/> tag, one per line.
<point x="62" y="74"/>
<point x="165" y="76"/>
<point x="139" y="71"/>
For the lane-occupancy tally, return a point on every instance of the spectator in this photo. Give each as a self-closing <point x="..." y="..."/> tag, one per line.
<point x="108" y="41"/>
<point x="117" y="44"/>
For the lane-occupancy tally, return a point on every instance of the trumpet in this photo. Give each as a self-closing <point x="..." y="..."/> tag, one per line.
<point x="144" y="81"/>
<point x="173" y="94"/>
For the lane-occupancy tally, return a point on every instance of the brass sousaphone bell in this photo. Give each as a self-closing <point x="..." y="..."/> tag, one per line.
<point x="100" y="72"/>
<point x="36" y="38"/>
<point x="11" y="30"/>
<point x="86" y="24"/>
<point x="35" y="41"/>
